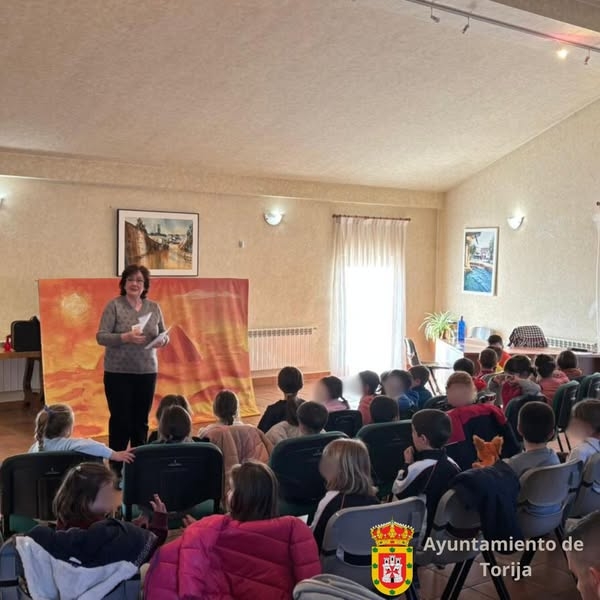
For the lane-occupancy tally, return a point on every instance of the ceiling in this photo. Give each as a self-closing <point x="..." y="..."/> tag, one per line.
<point x="368" y="92"/>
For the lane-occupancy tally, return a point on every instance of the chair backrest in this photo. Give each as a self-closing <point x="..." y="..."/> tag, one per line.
<point x="29" y="483"/>
<point x="332" y="587"/>
<point x="386" y="443"/>
<point x="295" y="462"/>
<point x="183" y="475"/>
<point x="412" y="355"/>
<point x="588" y="498"/>
<point x="481" y="333"/>
<point x="488" y="377"/>
<point x="546" y="488"/>
<point x="346" y="421"/>
<point x="439" y="402"/>
<point x="589" y="387"/>
<point x="346" y="548"/>
<point x="562" y="403"/>
<point x="452" y="522"/>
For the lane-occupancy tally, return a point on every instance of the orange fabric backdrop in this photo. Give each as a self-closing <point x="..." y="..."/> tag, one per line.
<point x="208" y="349"/>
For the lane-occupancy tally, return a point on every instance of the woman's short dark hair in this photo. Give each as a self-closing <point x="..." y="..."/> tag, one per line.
<point x="567" y="359"/>
<point x="384" y="409"/>
<point x="370" y="380"/>
<point x="132" y="270"/>
<point x="545" y="365"/>
<point x="254" y="492"/>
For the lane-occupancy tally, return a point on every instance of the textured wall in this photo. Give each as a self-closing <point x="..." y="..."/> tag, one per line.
<point x="54" y="229"/>
<point x="546" y="270"/>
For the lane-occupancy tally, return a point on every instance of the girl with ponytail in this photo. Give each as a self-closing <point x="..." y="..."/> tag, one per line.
<point x="53" y="430"/>
<point x="329" y="392"/>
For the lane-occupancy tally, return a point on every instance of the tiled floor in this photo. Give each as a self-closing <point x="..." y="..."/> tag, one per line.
<point x="550" y="579"/>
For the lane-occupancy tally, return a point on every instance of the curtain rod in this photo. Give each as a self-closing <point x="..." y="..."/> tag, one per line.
<point x="363" y="217"/>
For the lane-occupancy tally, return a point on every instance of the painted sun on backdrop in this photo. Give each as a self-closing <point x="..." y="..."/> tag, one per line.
<point x="165" y="242"/>
<point x="480" y="259"/>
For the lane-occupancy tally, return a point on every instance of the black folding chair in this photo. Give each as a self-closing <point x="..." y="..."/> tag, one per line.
<point x="346" y="421"/>
<point x="29" y="483"/>
<point x="564" y="398"/>
<point x="183" y="475"/>
<point x="439" y="402"/>
<point x="386" y="443"/>
<point x="413" y="359"/>
<point x="295" y="462"/>
<point x="589" y="387"/>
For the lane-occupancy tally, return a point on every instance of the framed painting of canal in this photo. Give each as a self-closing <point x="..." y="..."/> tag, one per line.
<point x="480" y="258"/>
<point x="164" y="242"/>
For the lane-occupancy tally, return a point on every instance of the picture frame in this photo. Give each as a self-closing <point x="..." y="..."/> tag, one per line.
<point x="480" y="260"/>
<point x="167" y="243"/>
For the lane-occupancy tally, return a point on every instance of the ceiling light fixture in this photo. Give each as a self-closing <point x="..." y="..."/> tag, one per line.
<point x="273" y="217"/>
<point x="467" y="26"/>
<point x="564" y="43"/>
<point x="562" y="53"/>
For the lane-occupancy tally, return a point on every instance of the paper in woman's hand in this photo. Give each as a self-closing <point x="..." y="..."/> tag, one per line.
<point x="158" y="340"/>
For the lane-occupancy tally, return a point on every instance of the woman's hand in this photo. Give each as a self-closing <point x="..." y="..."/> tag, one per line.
<point x="125" y="456"/>
<point x="188" y="520"/>
<point x="131" y="337"/>
<point x="158" y="505"/>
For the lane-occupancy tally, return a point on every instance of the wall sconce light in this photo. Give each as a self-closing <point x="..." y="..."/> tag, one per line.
<point x="515" y="222"/>
<point x="273" y="218"/>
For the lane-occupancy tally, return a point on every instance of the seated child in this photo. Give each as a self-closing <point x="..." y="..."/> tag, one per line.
<point x="429" y="469"/>
<point x="567" y="363"/>
<point x="549" y="378"/>
<point x="329" y="392"/>
<point x="397" y="384"/>
<point x="289" y="427"/>
<point x="466" y="365"/>
<point x="89" y="494"/>
<point x="369" y="380"/>
<point x="384" y="409"/>
<point x="585" y="425"/>
<point x="346" y="468"/>
<point x="516" y="380"/>
<point x="495" y="341"/>
<point x="420" y="375"/>
<point x="226" y="408"/>
<point x="165" y="402"/>
<point x="53" y="429"/>
<point x="175" y="426"/>
<point x="290" y="381"/>
<point x="312" y="418"/>
<point x="488" y="362"/>
<point x="263" y="554"/>
<point x="536" y="426"/>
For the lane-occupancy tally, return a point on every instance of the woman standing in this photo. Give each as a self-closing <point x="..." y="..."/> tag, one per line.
<point x="129" y="368"/>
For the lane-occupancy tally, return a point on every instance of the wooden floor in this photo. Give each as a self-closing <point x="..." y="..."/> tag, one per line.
<point x="550" y="578"/>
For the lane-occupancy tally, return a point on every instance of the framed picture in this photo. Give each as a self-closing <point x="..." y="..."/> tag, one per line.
<point x="164" y="242"/>
<point x="480" y="258"/>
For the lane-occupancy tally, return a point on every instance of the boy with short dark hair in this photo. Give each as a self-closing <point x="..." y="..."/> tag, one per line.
<point x="536" y="425"/>
<point x="384" y="409"/>
<point x="429" y="470"/>
<point x="466" y="365"/>
<point x="420" y="375"/>
<point x="312" y="417"/>
<point x="567" y="363"/>
<point x="495" y="341"/>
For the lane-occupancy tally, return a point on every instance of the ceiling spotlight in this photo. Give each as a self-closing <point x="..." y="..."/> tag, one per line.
<point x="562" y="53"/>
<point x="433" y="17"/>
<point x="587" y="58"/>
<point x="466" y="27"/>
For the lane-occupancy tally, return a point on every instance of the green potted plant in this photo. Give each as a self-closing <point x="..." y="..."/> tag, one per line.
<point x="439" y="325"/>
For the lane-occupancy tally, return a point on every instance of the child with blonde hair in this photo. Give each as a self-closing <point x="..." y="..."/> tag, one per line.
<point x="346" y="467"/>
<point x="53" y="429"/>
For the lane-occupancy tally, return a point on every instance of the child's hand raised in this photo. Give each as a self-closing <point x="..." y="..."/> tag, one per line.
<point x="126" y="456"/>
<point x="158" y="506"/>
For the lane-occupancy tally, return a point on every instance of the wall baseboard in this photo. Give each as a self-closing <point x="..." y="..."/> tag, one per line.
<point x="263" y="380"/>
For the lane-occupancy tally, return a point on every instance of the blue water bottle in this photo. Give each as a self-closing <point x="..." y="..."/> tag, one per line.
<point x="462" y="330"/>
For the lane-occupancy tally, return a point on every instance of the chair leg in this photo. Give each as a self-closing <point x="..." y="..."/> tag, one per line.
<point x="437" y="391"/>
<point x="457" y="580"/>
<point x="498" y="581"/>
<point x="559" y="441"/>
<point x="567" y="440"/>
<point x="527" y="558"/>
<point x="452" y="580"/>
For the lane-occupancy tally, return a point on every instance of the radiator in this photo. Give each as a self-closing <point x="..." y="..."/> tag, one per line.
<point x="278" y="347"/>
<point x="566" y="343"/>
<point x="11" y="375"/>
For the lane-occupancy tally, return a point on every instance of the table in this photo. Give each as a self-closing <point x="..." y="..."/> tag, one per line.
<point x="30" y="358"/>
<point x="447" y="353"/>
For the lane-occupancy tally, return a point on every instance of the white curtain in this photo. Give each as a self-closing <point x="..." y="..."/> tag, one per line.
<point x="368" y="297"/>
